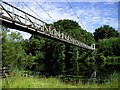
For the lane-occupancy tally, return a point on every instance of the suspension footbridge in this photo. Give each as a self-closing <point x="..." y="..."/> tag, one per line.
<point x="30" y="24"/>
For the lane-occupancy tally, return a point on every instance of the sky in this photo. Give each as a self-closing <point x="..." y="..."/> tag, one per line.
<point x="90" y="15"/>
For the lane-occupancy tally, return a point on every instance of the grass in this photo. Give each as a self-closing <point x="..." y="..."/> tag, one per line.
<point x="0" y="83"/>
<point x="35" y="82"/>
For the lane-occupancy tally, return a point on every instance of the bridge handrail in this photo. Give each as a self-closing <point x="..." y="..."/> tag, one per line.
<point x="19" y="16"/>
<point x="22" y="11"/>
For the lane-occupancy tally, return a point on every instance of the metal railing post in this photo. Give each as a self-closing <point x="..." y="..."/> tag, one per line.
<point x="35" y="24"/>
<point x="0" y="10"/>
<point x="13" y="15"/>
<point x="25" y="19"/>
<point x="93" y="46"/>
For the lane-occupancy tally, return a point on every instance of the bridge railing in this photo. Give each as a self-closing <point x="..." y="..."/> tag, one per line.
<point x="19" y="17"/>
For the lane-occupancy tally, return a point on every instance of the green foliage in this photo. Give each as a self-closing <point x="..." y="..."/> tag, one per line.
<point x="72" y="28"/>
<point x="65" y="25"/>
<point x="109" y="47"/>
<point x="107" y="56"/>
<point x="13" y="53"/>
<point x="100" y="60"/>
<point x="60" y="58"/>
<point x="91" y="62"/>
<point x="71" y="60"/>
<point x="105" y="32"/>
<point x="113" y="60"/>
<point x="55" y="58"/>
<point x="34" y="48"/>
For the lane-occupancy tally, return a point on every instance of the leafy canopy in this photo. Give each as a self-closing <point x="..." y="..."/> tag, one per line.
<point x="105" y="32"/>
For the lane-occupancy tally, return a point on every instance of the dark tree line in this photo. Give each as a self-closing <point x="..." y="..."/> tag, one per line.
<point x="56" y="58"/>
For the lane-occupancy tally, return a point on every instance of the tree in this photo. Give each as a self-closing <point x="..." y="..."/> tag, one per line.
<point x="106" y="56"/>
<point x="73" y="29"/>
<point x="48" y="56"/>
<point x="109" y="47"/>
<point x="71" y="60"/>
<point x="55" y="57"/>
<point x="66" y="25"/>
<point x="12" y="50"/>
<point x="105" y="32"/>
<point x="35" y="47"/>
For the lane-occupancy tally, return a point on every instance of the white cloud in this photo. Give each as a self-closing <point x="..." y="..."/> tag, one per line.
<point x="91" y="18"/>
